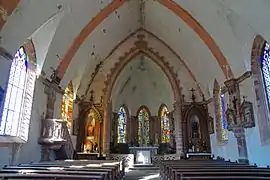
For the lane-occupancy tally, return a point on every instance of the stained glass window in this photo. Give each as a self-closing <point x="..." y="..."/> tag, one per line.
<point x="143" y="126"/>
<point x="17" y="109"/>
<point x="165" y="125"/>
<point x="67" y="106"/>
<point x="222" y="116"/>
<point x="265" y="66"/>
<point x="122" y="126"/>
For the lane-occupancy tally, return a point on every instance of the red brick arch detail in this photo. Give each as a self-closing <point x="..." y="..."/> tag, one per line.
<point x="171" y="5"/>
<point x="8" y="7"/>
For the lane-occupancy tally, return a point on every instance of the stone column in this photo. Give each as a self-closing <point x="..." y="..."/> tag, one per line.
<point x="178" y="129"/>
<point x="51" y="88"/>
<point x="239" y="134"/>
<point x="106" y="128"/>
<point x="238" y="126"/>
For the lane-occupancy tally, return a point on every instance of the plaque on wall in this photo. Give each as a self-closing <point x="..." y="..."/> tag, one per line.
<point x="248" y="114"/>
<point x="1" y="94"/>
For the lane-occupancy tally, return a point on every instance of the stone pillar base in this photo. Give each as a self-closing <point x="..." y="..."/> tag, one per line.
<point x="243" y="161"/>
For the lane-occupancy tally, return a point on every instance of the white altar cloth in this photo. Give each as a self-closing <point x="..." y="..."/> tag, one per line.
<point x="143" y="154"/>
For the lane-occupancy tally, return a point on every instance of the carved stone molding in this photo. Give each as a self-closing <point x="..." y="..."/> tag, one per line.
<point x="141" y="47"/>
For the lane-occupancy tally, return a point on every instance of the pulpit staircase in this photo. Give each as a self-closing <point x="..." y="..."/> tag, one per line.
<point x="66" y="151"/>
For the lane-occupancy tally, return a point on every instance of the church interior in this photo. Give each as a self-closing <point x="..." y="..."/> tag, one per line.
<point x="161" y="84"/>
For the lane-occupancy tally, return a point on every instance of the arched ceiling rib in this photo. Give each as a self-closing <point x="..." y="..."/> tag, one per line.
<point x="158" y="43"/>
<point x="7" y="8"/>
<point x="141" y="82"/>
<point x="185" y="75"/>
<point x="177" y="9"/>
<point x="210" y="30"/>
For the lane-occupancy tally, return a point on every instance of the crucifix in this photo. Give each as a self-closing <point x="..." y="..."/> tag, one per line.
<point x="234" y="101"/>
<point x="193" y="94"/>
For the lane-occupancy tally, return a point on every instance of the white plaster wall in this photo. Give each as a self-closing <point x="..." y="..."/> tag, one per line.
<point x="29" y="151"/>
<point x="257" y="152"/>
<point x="150" y="87"/>
<point x="4" y="71"/>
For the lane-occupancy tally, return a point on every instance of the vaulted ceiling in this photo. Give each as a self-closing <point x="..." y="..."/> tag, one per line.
<point x="201" y="40"/>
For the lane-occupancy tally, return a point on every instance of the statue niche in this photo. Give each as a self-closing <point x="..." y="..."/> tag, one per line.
<point x="196" y="135"/>
<point x="92" y="132"/>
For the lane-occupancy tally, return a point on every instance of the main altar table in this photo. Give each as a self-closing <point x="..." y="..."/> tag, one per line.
<point x="143" y="154"/>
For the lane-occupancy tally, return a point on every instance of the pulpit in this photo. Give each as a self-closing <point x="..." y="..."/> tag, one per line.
<point x="143" y="154"/>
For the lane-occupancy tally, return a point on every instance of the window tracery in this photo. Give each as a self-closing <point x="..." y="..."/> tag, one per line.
<point x="15" y="119"/>
<point x="67" y="106"/>
<point x="165" y="125"/>
<point x="143" y="126"/>
<point x="122" y="125"/>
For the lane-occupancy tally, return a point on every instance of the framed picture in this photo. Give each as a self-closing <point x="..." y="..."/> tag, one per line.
<point x="247" y="114"/>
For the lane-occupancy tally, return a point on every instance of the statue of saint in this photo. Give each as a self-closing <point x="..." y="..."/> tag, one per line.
<point x="91" y="127"/>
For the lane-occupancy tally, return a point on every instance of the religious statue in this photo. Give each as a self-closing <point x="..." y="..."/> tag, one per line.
<point x="91" y="127"/>
<point x="195" y="127"/>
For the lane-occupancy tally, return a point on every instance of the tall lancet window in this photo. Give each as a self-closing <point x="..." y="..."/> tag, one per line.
<point x="122" y="125"/>
<point x="67" y="106"/>
<point x="15" y="119"/>
<point x="220" y="109"/>
<point x="165" y="125"/>
<point x="143" y="126"/>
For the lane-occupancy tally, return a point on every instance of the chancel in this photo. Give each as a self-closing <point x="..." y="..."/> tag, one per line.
<point x="96" y="88"/>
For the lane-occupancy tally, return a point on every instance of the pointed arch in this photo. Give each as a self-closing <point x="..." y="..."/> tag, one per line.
<point x="67" y="106"/>
<point x="122" y="124"/>
<point x="143" y="115"/>
<point x="163" y="114"/>
<point x="220" y="109"/>
<point x="17" y="108"/>
<point x="261" y="75"/>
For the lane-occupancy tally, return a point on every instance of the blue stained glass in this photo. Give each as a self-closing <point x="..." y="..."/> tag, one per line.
<point x="143" y="126"/>
<point x="223" y="109"/>
<point x="265" y="67"/>
<point x="122" y="126"/>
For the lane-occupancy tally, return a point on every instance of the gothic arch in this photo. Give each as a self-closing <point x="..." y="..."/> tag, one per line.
<point x="263" y="111"/>
<point x="141" y="47"/>
<point x="143" y="107"/>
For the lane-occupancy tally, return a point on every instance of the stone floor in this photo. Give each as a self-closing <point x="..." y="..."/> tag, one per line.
<point x="142" y="175"/>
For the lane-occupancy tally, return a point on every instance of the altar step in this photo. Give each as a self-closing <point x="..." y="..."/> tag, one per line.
<point x="144" y="167"/>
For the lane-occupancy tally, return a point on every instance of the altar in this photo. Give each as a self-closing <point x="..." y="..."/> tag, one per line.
<point x="143" y="154"/>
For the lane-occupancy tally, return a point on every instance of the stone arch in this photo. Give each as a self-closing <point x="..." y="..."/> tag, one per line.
<point x="141" y="47"/>
<point x="143" y="107"/>
<point x="30" y="51"/>
<point x="262" y="111"/>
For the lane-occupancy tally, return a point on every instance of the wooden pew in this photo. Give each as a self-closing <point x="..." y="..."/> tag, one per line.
<point x="104" y="175"/>
<point x="105" y="169"/>
<point x="192" y="170"/>
<point x="47" y="176"/>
